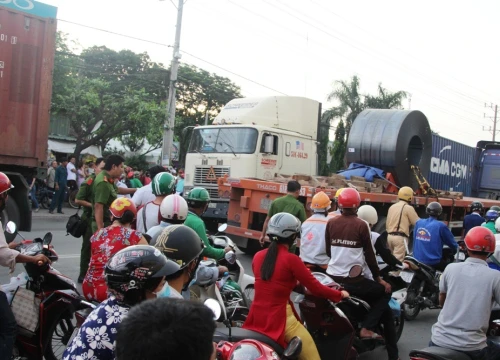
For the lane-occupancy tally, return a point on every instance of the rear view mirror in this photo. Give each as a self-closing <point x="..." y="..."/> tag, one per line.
<point x="293" y="349"/>
<point x="214" y="305"/>
<point x="47" y="239"/>
<point x="11" y="227"/>
<point x="269" y="144"/>
<point x="222" y="228"/>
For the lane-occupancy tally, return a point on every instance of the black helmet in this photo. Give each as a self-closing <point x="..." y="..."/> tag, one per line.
<point x="434" y="209"/>
<point x="180" y="244"/>
<point x="496" y="208"/>
<point x="138" y="267"/>
<point x="476" y="206"/>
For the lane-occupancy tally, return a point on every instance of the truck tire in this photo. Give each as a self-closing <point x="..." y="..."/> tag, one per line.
<point x="11" y="213"/>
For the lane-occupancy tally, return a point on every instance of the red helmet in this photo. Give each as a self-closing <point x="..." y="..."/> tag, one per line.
<point x="5" y="184"/>
<point x="480" y="239"/>
<point x="349" y="199"/>
<point x="120" y="205"/>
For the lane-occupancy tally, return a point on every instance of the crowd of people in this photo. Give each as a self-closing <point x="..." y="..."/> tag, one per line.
<point x="142" y="250"/>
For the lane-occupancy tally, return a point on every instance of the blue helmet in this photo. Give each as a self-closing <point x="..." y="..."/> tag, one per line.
<point x="491" y="215"/>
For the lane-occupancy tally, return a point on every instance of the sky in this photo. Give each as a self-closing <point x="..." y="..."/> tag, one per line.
<point x="444" y="53"/>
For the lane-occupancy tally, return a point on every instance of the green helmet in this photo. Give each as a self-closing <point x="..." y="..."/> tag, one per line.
<point x="495" y="207"/>
<point x="198" y="194"/>
<point x="163" y="184"/>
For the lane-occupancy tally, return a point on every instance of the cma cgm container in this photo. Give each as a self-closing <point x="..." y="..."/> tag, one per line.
<point x="452" y="165"/>
<point x="27" y="47"/>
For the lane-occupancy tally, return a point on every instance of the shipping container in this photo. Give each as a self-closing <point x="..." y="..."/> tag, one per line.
<point x="27" y="48"/>
<point x="451" y="165"/>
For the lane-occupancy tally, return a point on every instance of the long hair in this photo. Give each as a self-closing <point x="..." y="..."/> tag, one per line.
<point x="267" y="268"/>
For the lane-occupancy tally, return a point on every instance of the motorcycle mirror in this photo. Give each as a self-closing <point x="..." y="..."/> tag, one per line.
<point x="355" y="271"/>
<point x="47" y="239"/>
<point x="293" y="349"/>
<point x="11" y="227"/>
<point x="214" y="305"/>
<point x="222" y="228"/>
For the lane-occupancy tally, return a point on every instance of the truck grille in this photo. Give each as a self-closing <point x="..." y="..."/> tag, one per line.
<point x="202" y="172"/>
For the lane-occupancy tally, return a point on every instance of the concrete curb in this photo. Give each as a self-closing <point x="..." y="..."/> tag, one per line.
<point x="44" y="214"/>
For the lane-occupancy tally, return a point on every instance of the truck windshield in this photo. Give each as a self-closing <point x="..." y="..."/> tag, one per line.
<point x="224" y="140"/>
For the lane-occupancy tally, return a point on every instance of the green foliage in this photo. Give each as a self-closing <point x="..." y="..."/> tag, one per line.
<point x="110" y="94"/>
<point x="350" y="104"/>
<point x="137" y="162"/>
<point x="112" y="150"/>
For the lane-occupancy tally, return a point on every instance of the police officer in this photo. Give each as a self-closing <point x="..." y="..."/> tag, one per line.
<point x="105" y="191"/>
<point x="430" y="236"/>
<point x="400" y="217"/>
<point x="84" y="198"/>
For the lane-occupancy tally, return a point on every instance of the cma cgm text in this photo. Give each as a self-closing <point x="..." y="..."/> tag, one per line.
<point x="443" y="167"/>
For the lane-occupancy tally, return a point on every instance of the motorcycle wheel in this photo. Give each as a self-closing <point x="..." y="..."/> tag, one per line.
<point x="59" y="335"/>
<point x="45" y="202"/>
<point x="72" y="199"/>
<point x="249" y="293"/>
<point x="410" y="312"/>
<point x="399" y="324"/>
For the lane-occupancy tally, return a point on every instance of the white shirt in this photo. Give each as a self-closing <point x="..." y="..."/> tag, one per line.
<point x="143" y="195"/>
<point x="312" y="241"/>
<point x="123" y="186"/>
<point x="7" y="256"/>
<point x="152" y="217"/>
<point x="366" y="270"/>
<point x="71" y="174"/>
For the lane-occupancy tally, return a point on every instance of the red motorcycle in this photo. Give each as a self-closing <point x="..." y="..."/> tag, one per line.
<point x="61" y="310"/>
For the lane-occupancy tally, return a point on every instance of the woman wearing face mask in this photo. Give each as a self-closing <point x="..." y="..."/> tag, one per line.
<point x="182" y="245"/>
<point x="108" y="241"/>
<point x="132" y="275"/>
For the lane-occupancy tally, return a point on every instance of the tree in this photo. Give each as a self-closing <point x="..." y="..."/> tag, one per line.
<point x="338" y="148"/>
<point x="350" y="104"/>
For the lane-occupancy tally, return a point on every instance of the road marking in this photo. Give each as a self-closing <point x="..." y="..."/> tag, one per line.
<point x="69" y="256"/>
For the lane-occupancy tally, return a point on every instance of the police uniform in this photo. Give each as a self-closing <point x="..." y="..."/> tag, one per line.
<point x="104" y="192"/>
<point x="85" y="193"/>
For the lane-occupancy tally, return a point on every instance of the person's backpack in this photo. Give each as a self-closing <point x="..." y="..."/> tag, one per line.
<point x="75" y="225"/>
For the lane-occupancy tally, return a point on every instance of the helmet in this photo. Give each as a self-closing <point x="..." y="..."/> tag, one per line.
<point x="163" y="184"/>
<point x="368" y="214"/>
<point x="137" y="267"/>
<point x="349" y="199"/>
<point x="491" y="215"/>
<point x="198" y="195"/>
<point x="120" y="205"/>
<point x="180" y="244"/>
<point x="476" y="206"/>
<point x="480" y="239"/>
<point x="283" y="225"/>
<point x="405" y="193"/>
<point x="339" y="191"/>
<point x="496" y="208"/>
<point x="320" y="202"/>
<point x="174" y="207"/>
<point x="434" y="209"/>
<point x="5" y="183"/>
<point x="497" y="224"/>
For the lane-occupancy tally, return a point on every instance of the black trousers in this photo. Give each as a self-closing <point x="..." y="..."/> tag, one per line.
<point x="374" y="294"/>
<point x="8" y="328"/>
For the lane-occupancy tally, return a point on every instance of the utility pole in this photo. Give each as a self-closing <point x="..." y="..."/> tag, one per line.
<point x="168" y="128"/>
<point x="494" y="130"/>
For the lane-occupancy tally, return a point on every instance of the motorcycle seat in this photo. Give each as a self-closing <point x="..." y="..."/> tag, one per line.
<point x="421" y="264"/>
<point x="239" y="334"/>
<point x="439" y="353"/>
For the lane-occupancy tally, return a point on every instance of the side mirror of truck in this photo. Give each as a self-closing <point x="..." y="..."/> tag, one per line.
<point x="269" y="144"/>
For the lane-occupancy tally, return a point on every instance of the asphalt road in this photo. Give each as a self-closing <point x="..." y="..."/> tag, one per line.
<point x="416" y="334"/>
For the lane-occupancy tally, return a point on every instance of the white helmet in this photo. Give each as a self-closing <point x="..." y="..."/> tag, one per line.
<point x="368" y="214"/>
<point x="283" y="225"/>
<point x="174" y="207"/>
<point x="497" y="224"/>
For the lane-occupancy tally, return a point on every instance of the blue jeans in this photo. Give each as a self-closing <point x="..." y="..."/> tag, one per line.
<point x="34" y="202"/>
<point x="8" y="328"/>
<point x="490" y="352"/>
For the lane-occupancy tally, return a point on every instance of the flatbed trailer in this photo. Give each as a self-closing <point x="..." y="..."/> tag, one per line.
<point x="250" y="199"/>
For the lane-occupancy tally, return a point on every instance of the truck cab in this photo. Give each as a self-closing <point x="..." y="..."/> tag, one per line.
<point x="252" y="138"/>
<point x="486" y="177"/>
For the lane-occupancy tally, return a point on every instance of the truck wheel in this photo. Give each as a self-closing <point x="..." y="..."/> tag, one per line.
<point x="11" y="213"/>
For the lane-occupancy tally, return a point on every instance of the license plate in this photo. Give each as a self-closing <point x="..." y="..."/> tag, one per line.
<point x="265" y="203"/>
<point x="212" y="205"/>
<point x="461" y="256"/>
<point x="407" y="276"/>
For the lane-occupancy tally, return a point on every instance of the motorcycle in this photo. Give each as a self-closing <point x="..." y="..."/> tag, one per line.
<point x="43" y="194"/>
<point x="439" y="353"/>
<point x="334" y="334"/>
<point x="238" y="343"/>
<point x="423" y="291"/>
<point x="58" y="298"/>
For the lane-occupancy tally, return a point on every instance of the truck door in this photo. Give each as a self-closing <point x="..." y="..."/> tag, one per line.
<point x="269" y="156"/>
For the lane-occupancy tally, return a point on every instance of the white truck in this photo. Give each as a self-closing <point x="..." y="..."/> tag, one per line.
<point x="253" y="138"/>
